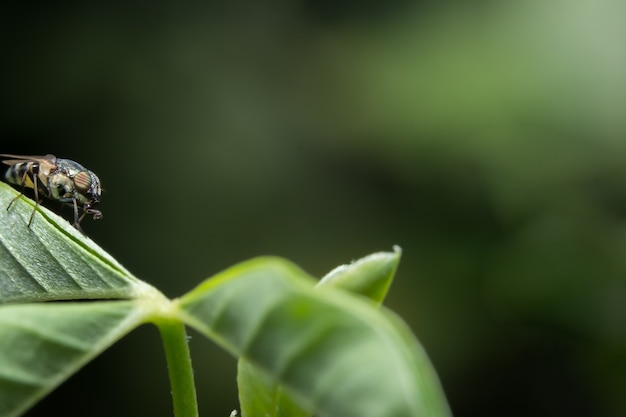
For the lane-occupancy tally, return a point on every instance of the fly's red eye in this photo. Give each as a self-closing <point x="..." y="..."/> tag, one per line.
<point x="82" y="181"/>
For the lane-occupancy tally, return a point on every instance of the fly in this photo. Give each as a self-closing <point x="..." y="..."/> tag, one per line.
<point x="57" y="179"/>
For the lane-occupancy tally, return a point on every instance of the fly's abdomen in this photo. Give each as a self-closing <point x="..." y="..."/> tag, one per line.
<point x="21" y="174"/>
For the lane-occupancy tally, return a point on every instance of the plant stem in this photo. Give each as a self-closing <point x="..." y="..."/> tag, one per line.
<point x="178" y="358"/>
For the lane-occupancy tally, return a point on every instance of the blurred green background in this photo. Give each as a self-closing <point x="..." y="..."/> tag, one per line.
<point x="485" y="138"/>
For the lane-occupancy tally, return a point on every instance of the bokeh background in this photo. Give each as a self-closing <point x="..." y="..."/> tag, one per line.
<point x="487" y="139"/>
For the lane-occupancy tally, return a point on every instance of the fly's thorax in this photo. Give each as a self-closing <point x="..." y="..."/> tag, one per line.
<point x="69" y="167"/>
<point x="61" y="187"/>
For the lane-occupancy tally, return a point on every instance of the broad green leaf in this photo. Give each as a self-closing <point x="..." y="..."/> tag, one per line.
<point x="41" y="345"/>
<point x="337" y="354"/>
<point x="259" y="393"/>
<point x="51" y="260"/>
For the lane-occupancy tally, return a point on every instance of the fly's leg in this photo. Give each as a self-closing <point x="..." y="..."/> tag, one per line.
<point x="72" y="202"/>
<point x="34" y="181"/>
<point x="36" y="199"/>
<point x="13" y="201"/>
<point x="77" y="220"/>
<point x="97" y="215"/>
<point x="21" y="191"/>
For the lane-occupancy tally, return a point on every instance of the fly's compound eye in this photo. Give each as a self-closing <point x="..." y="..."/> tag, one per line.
<point x="82" y="182"/>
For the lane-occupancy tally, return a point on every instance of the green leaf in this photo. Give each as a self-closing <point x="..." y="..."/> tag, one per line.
<point x="335" y="353"/>
<point x="370" y="276"/>
<point x="261" y="395"/>
<point x="41" y="345"/>
<point x="51" y="260"/>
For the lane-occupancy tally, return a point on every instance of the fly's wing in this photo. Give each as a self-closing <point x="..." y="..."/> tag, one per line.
<point x="45" y="160"/>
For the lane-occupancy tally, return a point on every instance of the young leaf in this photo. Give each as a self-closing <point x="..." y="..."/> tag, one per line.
<point x="336" y="354"/>
<point x="370" y="276"/>
<point x="51" y="260"/>
<point x="41" y="345"/>
<point x="261" y="395"/>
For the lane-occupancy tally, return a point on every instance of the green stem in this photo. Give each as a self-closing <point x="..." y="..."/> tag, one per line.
<point x="179" y="366"/>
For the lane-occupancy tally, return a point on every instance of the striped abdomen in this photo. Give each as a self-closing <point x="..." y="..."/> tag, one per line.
<point x="22" y="175"/>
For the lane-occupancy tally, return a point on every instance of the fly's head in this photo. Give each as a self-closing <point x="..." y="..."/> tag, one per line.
<point x="87" y="186"/>
<point x="80" y="185"/>
<point x="76" y="187"/>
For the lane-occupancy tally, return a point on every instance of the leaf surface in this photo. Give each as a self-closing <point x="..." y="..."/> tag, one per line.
<point x="336" y="354"/>
<point x="41" y="345"/>
<point x="370" y="276"/>
<point x="259" y="393"/>
<point x="51" y="260"/>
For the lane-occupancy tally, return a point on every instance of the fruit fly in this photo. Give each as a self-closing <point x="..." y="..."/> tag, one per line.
<point x="57" y="179"/>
